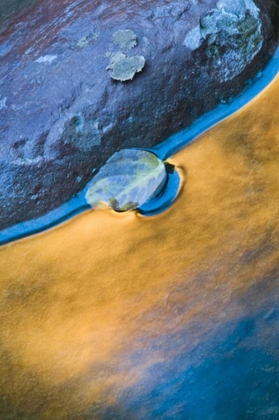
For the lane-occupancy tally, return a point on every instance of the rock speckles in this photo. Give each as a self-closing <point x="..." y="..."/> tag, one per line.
<point x="46" y="59"/>
<point x="3" y="103"/>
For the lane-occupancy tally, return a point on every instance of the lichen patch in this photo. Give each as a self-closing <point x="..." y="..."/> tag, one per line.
<point x="86" y="39"/>
<point x="125" y="38"/>
<point x="124" y="68"/>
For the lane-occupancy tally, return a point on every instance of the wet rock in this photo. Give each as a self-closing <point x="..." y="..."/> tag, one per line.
<point x="67" y="103"/>
<point x="127" y="180"/>
<point x="233" y="32"/>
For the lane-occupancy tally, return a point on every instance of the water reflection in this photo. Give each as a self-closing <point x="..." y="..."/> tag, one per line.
<point x="173" y="316"/>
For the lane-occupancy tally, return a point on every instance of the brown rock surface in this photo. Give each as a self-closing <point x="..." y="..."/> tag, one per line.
<point x="63" y="114"/>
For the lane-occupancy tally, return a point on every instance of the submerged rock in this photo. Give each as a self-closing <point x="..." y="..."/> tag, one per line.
<point x="127" y="180"/>
<point x="64" y="108"/>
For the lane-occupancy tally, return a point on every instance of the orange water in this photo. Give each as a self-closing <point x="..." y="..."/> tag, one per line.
<point x="78" y="300"/>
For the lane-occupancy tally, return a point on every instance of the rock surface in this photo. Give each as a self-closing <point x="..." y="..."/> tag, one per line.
<point x="62" y="113"/>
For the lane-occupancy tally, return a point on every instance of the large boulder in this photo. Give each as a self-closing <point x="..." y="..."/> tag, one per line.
<point x="81" y="79"/>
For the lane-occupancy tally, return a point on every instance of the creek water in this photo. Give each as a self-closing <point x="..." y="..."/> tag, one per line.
<point x="173" y="316"/>
<point x="119" y="316"/>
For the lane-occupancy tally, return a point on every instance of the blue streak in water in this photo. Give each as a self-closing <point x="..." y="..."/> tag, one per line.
<point x="155" y="205"/>
<point x="67" y="210"/>
<point x="164" y="150"/>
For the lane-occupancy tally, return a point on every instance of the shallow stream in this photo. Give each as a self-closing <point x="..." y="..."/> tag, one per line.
<point x="119" y="316"/>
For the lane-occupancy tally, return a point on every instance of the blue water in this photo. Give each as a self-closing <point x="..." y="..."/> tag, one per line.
<point x="164" y="199"/>
<point x="164" y="150"/>
<point x="222" y="378"/>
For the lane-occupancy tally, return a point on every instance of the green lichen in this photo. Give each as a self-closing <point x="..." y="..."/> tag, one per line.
<point x="125" y="38"/>
<point x="124" y="68"/>
<point x="86" y="39"/>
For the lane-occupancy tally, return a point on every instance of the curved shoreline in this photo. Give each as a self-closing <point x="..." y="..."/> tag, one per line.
<point x="179" y="140"/>
<point x="164" y="150"/>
